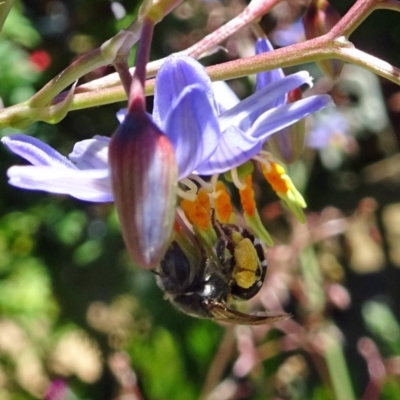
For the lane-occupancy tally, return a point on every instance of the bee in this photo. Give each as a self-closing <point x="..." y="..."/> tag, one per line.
<point x="235" y="271"/>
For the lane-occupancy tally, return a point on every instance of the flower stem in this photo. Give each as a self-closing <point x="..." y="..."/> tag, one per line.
<point x="136" y="94"/>
<point x="5" y="7"/>
<point x="255" y="10"/>
<point x="332" y="45"/>
<point x="106" y="54"/>
<point x="337" y="367"/>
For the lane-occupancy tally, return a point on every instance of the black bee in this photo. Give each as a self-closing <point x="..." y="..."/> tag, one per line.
<point x="235" y="271"/>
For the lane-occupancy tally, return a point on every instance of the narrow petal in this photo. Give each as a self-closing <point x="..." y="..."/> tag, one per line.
<point x="193" y="128"/>
<point x="89" y="185"/>
<point x="91" y="153"/>
<point x="234" y="149"/>
<point x="35" y="151"/>
<point x="245" y="113"/>
<point x="177" y="73"/>
<point x="224" y="96"/>
<point x="278" y="118"/>
<point x="265" y="78"/>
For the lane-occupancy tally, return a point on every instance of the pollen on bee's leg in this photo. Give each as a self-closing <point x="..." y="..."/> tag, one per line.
<point x="247" y="263"/>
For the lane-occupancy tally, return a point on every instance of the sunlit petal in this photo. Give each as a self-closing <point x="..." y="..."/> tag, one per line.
<point x="91" y="153"/>
<point x="89" y="185"/>
<point x="35" y="151"/>
<point x="234" y="148"/>
<point x="177" y="73"/>
<point x="244" y="114"/>
<point x="224" y="96"/>
<point x="265" y="78"/>
<point x="278" y="118"/>
<point x="193" y="128"/>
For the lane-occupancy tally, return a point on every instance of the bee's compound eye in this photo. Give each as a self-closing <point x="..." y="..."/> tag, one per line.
<point x="247" y="264"/>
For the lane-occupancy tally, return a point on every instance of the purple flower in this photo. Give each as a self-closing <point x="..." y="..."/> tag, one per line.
<point x="210" y="129"/>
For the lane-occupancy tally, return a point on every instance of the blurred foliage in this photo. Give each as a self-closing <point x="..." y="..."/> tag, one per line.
<point x="70" y="299"/>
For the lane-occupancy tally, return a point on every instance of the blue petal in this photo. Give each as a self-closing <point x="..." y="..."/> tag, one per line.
<point x="89" y="185"/>
<point x="224" y="96"/>
<point x="35" y="151"/>
<point x="91" y="153"/>
<point x="265" y="78"/>
<point x="278" y="118"/>
<point x="193" y="128"/>
<point x="177" y="73"/>
<point x="234" y="149"/>
<point x="247" y="111"/>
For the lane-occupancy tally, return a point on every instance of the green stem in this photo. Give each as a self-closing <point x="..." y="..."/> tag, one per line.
<point x="106" y="54"/>
<point x="337" y="367"/>
<point x="331" y="45"/>
<point x="353" y="18"/>
<point x="312" y="277"/>
<point x="5" y="7"/>
<point x="255" y="10"/>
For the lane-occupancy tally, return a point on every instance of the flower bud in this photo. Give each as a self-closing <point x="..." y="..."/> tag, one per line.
<point x="144" y="183"/>
<point x="318" y="19"/>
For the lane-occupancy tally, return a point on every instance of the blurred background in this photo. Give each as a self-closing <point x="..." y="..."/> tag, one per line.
<point x="79" y="321"/>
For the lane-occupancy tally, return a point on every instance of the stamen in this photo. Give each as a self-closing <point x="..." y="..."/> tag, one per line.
<point x="186" y="195"/>
<point x="214" y="180"/>
<point x="223" y="204"/>
<point x="263" y="162"/>
<point x="204" y="199"/>
<point x="250" y="214"/>
<point x="277" y="178"/>
<point x="247" y="197"/>
<point x="196" y="213"/>
<point x="190" y="185"/>
<point x="206" y="185"/>
<point x="236" y="180"/>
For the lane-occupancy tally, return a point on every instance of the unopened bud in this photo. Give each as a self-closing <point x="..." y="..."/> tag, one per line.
<point x="318" y="19"/>
<point x="144" y="182"/>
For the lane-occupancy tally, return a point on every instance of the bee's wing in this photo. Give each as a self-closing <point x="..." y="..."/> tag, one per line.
<point x="222" y="313"/>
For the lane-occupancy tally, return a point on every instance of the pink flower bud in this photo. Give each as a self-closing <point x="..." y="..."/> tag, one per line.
<point x="144" y="183"/>
<point x="318" y="19"/>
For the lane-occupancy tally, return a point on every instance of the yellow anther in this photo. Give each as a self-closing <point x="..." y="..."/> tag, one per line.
<point x="284" y="188"/>
<point x="204" y="199"/>
<point x="223" y="204"/>
<point x="196" y="213"/>
<point x="246" y="263"/>
<point x="247" y="198"/>
<point x="276" y="176"/>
